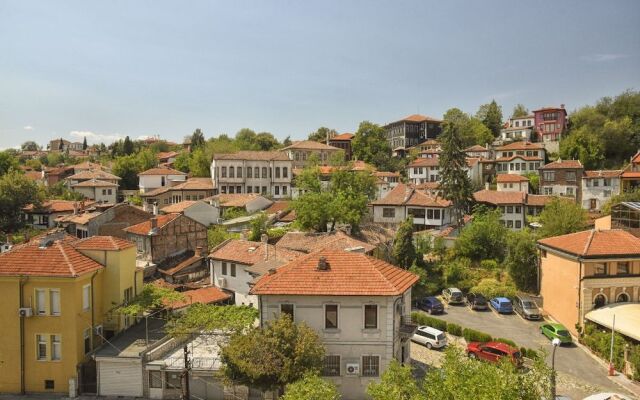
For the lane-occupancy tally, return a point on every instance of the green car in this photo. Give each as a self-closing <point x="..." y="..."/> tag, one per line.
<point x="553" y="331"/>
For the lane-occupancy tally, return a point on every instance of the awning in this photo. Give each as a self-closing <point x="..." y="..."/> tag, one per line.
<point x="627" y="318"/>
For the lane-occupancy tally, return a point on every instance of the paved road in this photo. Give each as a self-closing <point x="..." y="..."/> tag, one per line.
<point x="571" y="361"/>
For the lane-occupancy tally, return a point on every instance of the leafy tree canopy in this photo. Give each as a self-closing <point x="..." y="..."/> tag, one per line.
<point x="7" y="162"/>
<point x="404" y="252"/>
<point x="471" y="129"/>
<point x="322" y="134"/>
<point x="30" y="145"/>
<point x="519" y="111"/>
<point x="311" y="387"/>
<point x="562" y="216"/>
<point x="396" y="383"/>
<point x="483" y="238"/>
<point x="619" y="198"/>
<point x="150" y="298"/>
<point x="371" y="146"/>
<point x="522" y="259"/>
<point x="207" y="318"/>
<point x="16" y="191"/>
<point x="491" y="116"/>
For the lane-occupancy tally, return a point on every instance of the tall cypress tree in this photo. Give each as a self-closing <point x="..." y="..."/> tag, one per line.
<point x="404" y="252"/>
<point x="454" y="181"/>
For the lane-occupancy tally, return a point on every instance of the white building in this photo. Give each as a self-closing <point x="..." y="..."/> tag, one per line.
<point x="197" y="210"/>
<point x="404" y="201"/>
<point x="512" y="183"/>
<point x="360" y="307"/>
<point x="97" y="190"/>
<point x="598" y="187"/>
<point x="423" y="170"/>
<point x="301" y="152"/>
<point x="511" y="205"/>
<point x="477" y="151"/>
<point x="155" y="178"/>
<point x="262" y="172"/>
<point x="519" y="158"/>
<point x="518" y="129"/>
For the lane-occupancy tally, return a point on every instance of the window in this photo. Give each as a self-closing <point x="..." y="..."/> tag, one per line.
<point x="256" y="172"/>
<point x="239" y="172"/>
<point x="331" y="316"/>
<point x="249" y="172"/>
<point x="232" y="189"/>
<point x="388" y="212"/>
<point x="56" y="347"/>
<point x="287" y="309"/>
<point x="277" y="172"/>
<point x="239" y="189"/>
<point x="285" y="172"/>
<point x="249" y="189"/>
<point x="570" y="191"/>
<point x="371" y="316"/>
<point x="596" y="182"/>
<point x="548" y="190"/>
<point x="49" y="384"/>
<point x="571" y="176"/>
<point x="155" y="379"/>
<point x="187" y="197"/>
<point x="518" y="224"/>
<point x="86" y="297"/>
<point x="231" y="172"/>
<point x="549" y="176"/>
<point x="224" y="172"/>
<point x="436" y="214"/>
<point x="233" y="269"/>
<point x="606" y="182"/>
<point x="518" y="209"/>
<point x="41" y="347"/>
<point x="224" y="268"/>
<point x="41" y="301"/>
<point x="331" y="366"/>
<point x="173" y="380"/>
<point x="256" y="189"/>
<point x="87" y="341"/>
<point x="54" y="301"/>
<point x="264" y="172"/>
<point x="600" y="269"/>
<point x="622" y="298"/>
<point x="370" y="365"/>
<point x="623" y="268"/>
<point x="284" y="190"/>
<point x="277" y="190"/>
<point x="104" y="192"/>
<point x="509" y="209"/>
<point x="163" y="180"/>
<point x="509" y="224"/>
<point x="264" y="190"/>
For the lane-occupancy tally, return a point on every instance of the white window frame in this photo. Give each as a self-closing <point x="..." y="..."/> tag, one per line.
<point x="41" y="339"/>
<point x="41" y="301"/>
<point x="86" y="297"/>
<point x="56" y="347"/>
<point x="54" y="303"/>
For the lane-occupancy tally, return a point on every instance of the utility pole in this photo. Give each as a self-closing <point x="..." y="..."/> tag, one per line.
<point x="185" y="374"/>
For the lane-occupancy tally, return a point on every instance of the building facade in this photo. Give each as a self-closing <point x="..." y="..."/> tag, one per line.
<point x="510" y="203"/>
<point x="404" y="201"/>
<point x="598" y="187"/>
<point x="155" y="178"/>
<point x="562" y="178"/>
<point x="343" y="141"/>
<point x="550" y="124"/>
<point x="411" y="131"/>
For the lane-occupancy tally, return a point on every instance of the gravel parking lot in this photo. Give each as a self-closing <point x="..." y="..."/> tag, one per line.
<point x="579" y="374"/>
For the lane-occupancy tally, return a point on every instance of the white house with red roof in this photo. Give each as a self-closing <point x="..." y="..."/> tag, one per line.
<point x="510" y="203"/>
<point x="598" y="187"/>
<point x="512" y="183"/>
<point x="519" y="158"/>
<point x="159" y="177"/>
<point x="360" y="307"/>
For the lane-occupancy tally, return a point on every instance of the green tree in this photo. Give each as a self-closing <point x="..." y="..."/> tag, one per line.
<point x="258" y="226"/>
<point x="152" y="297"/>
<point x="371" y="146"/>
<point x="619" y="198"/>
<point x="265" y="141"/>
<point x="127" y="168"/>
<point x="562" y="216"/>
<point x="146" y="159"/>
<point x="127" y="146"/>
<point x="454" y="181"/>
<point x="396" y="383"/>
<point x="16" y="192"/>
<point x="199" y="164"/>
<point x="182" y="162"/>
<point x="217" y="234"/>
<point x="30" y="145"/>
<point x="584" y="145"/>
<point x="491" y="116"/>
<point x="197" y="139"/>
<point x="534" y="181"/>
<point x="208" y="318"/>
<point x="404" y="252"/>
<point x="84" y="143"/>
<point x="287" y="141"/>
<point x="322" y="134"/>
<point x="60" y="191"/>
<point x="7" y="162"/>
<point x="519" y="111"/>
<point x="483" y="238"/>
<point x="271" y="357"/>
<point x="471" y="129"/>
<point x="522" y="260"/>
<point x="311" y="387"/>
<point x="246" y="139"/>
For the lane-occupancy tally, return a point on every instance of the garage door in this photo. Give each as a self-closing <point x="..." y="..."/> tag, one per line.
<point x="119" y="378"/>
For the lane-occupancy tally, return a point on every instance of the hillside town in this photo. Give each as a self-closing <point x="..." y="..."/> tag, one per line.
<point x="245" y="267"/>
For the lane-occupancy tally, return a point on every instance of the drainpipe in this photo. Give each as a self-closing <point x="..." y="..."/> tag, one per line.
<point x="92" y="308"/>
<point x="393" y="339"/>
<point x="580" y="295"/>
<point x="23" y="281"/>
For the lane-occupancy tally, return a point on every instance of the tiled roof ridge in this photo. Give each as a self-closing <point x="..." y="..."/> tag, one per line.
<point x="66" y="257"/>
<point x="588" y="243"/>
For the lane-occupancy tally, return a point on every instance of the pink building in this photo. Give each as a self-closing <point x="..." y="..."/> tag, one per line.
<point x="550" y="123"/>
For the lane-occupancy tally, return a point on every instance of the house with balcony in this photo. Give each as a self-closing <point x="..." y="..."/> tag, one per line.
<point x="300" y="153"/>
<point x="477" y="151"/>
<point x="404" y="201"/>
<point x="385" y="181"/>
<point x="510" y="203"/>
<point x="45" y="215"/>
<point x="518" y="129"/>
<point x="343" y="141"/>
<point x="512" y="183"/>
<point x="519" y="158"/>
<point x="588" y="270"/>
<point x="160" y="177"/>
<point x="257" y="172"/>
<point x="562" y="178"/>
<point x="411" y="131"/>
<point x="423" y="170"/>
<point x="550" y="125"/>
<point x="598" y="187"/>
<point x="630" y="178"/>
<point x="189" y="190"/>
<point x="98" y="191"/>
<point x="360" y="307"/>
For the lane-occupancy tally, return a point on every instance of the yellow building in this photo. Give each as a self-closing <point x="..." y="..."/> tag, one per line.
<point x="56" y="292"/>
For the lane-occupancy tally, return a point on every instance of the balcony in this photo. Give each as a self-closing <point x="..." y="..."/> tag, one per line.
<point x="407" y="327"/>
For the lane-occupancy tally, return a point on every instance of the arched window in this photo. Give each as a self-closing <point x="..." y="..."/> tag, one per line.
<point x="256" y="172"/>
<point x="599" y="301"/>
<point x="622" y="298"/>
<point x="231" y="172"/>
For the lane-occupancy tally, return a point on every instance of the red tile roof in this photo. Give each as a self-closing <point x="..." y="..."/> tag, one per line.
<point x="206" y="295"/>
<point x="57" y="206"/>
<point x="348" y="274"/>
<point x="386" y="174"/>
<point x="253" y="155"/>
<point x="59" y="259"/>
<point x="539" y="200"/>
<point x="521" y="146"/>
<point x="277" y="206"/>
<point x="476" y="148"/>
<point x="308" y="242"/>
<point x="166" y="155"/>
<point x="143" y="228"/>
<point x="182" y="265"/>
<point x="95" y="183"/>
<point x="93" y="174"/>
<point x="419" y="118"/>
<point x="631" y="175"/>
<point x="596" y="243"/>
<point x="524" y="158"/>
<point x="343" y="136"/>
<point x="406" y="195"/>
<point x="103" y="243"/>
<point x="497" y="198"/>
<point x="425" y="162"/>
<point x="178" y="207"/>
<point x="236" y="199"/>
<point x="248" y="253"/>
<point x="161" y="171"/>
<point x="612" y="173"/>
<point x="563" y="164"/>
<point x="506" y="178"/>
<point x="310" y="145"/>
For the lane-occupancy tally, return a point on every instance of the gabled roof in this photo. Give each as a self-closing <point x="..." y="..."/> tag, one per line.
<point x="308" y="242"/>
<point x="405" y="195"/>
<point x="178" y="207"/>
<point x="612" y="173"/>
<point x="425" y="162"/>
<point x="144" y="228"/>
<point x="419" y="118"/>
<point x="93" y="174"/>
<point x="497" y="198"/>
<point x="235" y="199"/>
<point x="381" y="174"/>
<point x="103" y="243"/>
<point x="563" y="164"/>
<point x="550" y="108"/>
<point x="182" y="265"/>
<point x="87" y="165"/>
<point x="205" y="295"/>
<point x="277" y="206"/>
<point x="94" y="183"/>
<point x="521" y="146"/>
<point x="595" y="243"/>
<point x="252" y="155"/>
<point x="58" y="259"/>
<point x="523" y="158"/>
<point x="161" y="171"/>
<point x="343" y="136"/>
<point x="57" y="206"/>
<point x="166" y="155"/>
<point x="348" y="274"/>
<point x="476" y="148"/>
<point x="539" y="200"/>
<point x="511" y="178"/>
<point x="248" y="253"/>
<point x="310" y="145"/>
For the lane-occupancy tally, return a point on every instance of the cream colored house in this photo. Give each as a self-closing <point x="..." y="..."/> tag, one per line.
<point x="300" y="152"/>
<point x="360" y="307"/>
<point x="586" y="270"/>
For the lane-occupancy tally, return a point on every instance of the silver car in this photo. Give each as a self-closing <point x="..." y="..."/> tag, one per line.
<point x="526" y="307"/>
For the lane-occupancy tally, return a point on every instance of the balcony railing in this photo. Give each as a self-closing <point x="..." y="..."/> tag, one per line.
<point x="407" y="326"/>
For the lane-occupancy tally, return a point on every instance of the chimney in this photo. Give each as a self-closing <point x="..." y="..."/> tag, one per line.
<point x="198" y="251"/>
<point x="145" y="206"/>
<point x="323" y="265"/>
<point x="75" y="207"/>
<point x="562" y="106"/>
<point x="155" y="208"/>
<point x="272" y="271"/>
<point x="154" y="225"/>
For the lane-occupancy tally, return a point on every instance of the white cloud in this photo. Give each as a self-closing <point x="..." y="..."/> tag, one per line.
<point x="28" y="128"/>
<point x="604" y="57"/>
<point x="93" y="137"/>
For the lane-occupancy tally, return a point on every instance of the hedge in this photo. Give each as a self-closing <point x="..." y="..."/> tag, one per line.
<point x="471" y="335"/>
<point x="506" y="341"/>
<point x="423" y="319"/>
<point x="454" y="329"/>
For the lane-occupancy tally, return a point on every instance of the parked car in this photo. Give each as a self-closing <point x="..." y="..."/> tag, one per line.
<point x="556" y="331"/>
<point x="493" y="352"/>
<point x="526" y="307"/>
<point x="431" y="305"/>
<point x="453" y="296"/>
<point x="430" y="337"/>
<point x="607" y="396"/>
<point x="476" y="301"/>
<point x="502" y="305"/>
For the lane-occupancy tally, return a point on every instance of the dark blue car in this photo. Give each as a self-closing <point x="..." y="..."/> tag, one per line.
<point x="431" y="305"/>
<point x="502" y="305"/>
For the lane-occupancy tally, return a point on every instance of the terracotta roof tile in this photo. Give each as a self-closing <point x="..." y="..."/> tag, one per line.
<point x="406" y="195"/>
<point x="58" y="206"/>
<point x="386" y="174"/>
<point x="182" y="265"/>
<point x="539" y="199"/>
<point x="343" y="136"/>
<point x="425" y="162"/>
<point x="563" y="164"/>
<point x="178" y="207"/>
<point x="161" y="171"/>
<point x="497" y="198"/>
<point x="476" y="148"/>
<point x="506" y="178"/>
<point x="93" y="174"/>
<point x="288" y="217"/>
<point x="194" y="184"/>
<point x="235" y="200"/>
<point x="277" y="206"/>
<point x="206" y="295"/>
<point x="521" y="146"/>
<point x="103" y="243"/>
<point x="248" y="253"/>
<point x="310" y="145"/>
<point x="309" y="242"/>
<point x="144" y="228"/>
<point x="596" y="243"/>
<point x="348" y="274"/>
<point x="95" y="183"/>
<point x="631" y="175"/>
<point x="612" y="173"/>
<point x="253" y="155"/>
<point x="513" y="157"/>
<point x="419" y="118"/>
<point x="163" y="155"/>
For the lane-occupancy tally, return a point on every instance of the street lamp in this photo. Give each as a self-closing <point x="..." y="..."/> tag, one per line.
<point x="555" y="342"/>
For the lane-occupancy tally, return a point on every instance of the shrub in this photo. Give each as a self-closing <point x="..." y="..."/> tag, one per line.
<point x="531" y="353"/>
<point x="423" y="319"/>
<point x="506" y="341"/>
<point x="491" y="288"/>
<point x="454" y="329"/>
<point x="471" y="335"/>
<point x="489" y="264"/>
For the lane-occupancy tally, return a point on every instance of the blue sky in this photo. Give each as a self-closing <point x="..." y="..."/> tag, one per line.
<point x="114" y="68"/>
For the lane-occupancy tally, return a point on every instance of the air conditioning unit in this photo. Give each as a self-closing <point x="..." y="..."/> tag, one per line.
<point x="98" y="330"/>
<point x="25" y="312"/>
<point x="353" y="369"/>
<point x="222" y="282"/>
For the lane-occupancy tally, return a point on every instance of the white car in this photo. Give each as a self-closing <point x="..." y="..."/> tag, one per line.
<point x="430" y="337"/>
<point x="607" y="396"/>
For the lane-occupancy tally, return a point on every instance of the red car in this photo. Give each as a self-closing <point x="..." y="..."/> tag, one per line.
<point x="493" y="352"/>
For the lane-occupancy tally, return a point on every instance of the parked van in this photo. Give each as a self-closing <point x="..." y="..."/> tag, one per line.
<point x="526" y="307"/>
<point x="430" y="337"/>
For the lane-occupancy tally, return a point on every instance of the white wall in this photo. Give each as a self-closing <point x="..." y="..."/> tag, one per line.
<point x="203" y="212"/>
<point x="150" y="182"/>
<point x="95" y="193"/>
<point x="600" y="193"/>
<point x="237" y="284"/>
